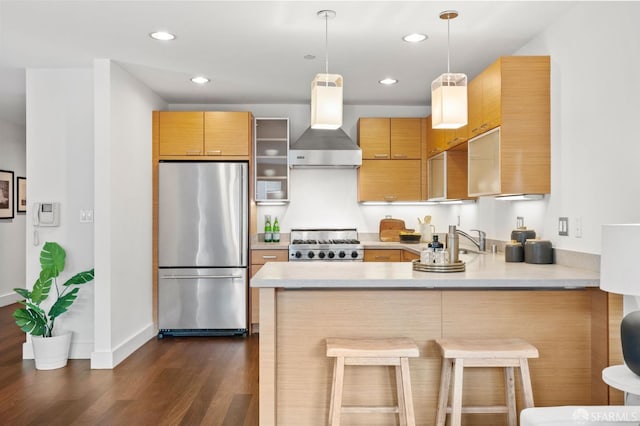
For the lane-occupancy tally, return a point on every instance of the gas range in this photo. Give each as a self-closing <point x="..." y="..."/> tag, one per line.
<point x="325" y="244"/>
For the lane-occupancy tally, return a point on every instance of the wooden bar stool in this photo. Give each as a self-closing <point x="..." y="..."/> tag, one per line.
<point x="505" y="353"/>
<point x="387" y="352"/>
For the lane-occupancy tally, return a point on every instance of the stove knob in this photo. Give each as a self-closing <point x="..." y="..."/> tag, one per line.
<point x="321" y="255"/>
<point x="354" y="254"/>
<point x="311" y="254"/>
<point x="331" y="255"/>
<point x="341" y="254"/>
<point x="298" y="255"/>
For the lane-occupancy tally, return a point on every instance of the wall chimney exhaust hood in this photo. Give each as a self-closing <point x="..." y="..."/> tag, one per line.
<point x="324" y="148"/>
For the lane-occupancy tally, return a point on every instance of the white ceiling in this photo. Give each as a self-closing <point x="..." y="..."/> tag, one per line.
<point x="254" y="51"/>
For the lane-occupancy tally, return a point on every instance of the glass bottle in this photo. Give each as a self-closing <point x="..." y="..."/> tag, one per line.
<point x="268" y="234"/>
<point x="276" y="231"/>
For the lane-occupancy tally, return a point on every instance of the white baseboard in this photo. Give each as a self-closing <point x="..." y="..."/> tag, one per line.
<point x="9" y="299"/>
<point x="78" y="350"/>
<point x="110" y="359"/>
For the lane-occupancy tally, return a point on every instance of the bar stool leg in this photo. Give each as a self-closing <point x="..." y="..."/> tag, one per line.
<point x="402" y="414"/>
<point x="456" y="405"/>
<point x="336" y="401"/>
<point x="526" y="383"/>
<point x="510" y="394"/>
<point x="443" y="397"/>
<point x="406" y="389"/>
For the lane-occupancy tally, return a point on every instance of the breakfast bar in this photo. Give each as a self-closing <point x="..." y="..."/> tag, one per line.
<point x="558" y="309"/>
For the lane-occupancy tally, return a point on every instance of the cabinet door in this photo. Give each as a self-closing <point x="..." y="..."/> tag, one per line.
<point x="491" y="96"/>
<point x="374" y="137"/>
<point x="474" y="99"/>
<point x="181" y="133"/>
<point x="227" y="133"/>
<point x="435" y="140"/>
<point x="405" y="138"/>
<point x="383" y="255"/>
<point x="389" y="180"/>
<point x="408" y="256"/>
<point x="484" y="164"/>
<point x="437" y="180"/>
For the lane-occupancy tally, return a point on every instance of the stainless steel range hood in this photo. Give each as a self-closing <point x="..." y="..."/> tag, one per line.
<point x="321" y="148"/>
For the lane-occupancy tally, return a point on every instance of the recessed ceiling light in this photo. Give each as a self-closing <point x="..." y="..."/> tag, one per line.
<point x="309" y="57"/>
<point x="162" y="36"/>
<point x="200" y="80"/>
<point x="415" y="38"/>
<point x="388" y="81"/>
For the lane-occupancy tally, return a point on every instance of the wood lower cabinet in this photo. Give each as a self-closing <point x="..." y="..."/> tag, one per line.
<point x="389" y="180"/>
<point x="188" y="134"/>
<point x="383" y="255"/>
<point x="408" y="256"/>
<point x="258" y="259"/>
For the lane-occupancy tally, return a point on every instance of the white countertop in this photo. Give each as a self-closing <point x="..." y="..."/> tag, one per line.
<point x="486" y="270"/>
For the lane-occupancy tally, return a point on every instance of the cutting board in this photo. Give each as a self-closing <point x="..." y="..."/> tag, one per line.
<point x="390" y="229"/>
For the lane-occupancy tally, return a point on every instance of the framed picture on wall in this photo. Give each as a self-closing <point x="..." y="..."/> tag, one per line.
<point x="21" y="194"/>
<point x="6" y="194"/>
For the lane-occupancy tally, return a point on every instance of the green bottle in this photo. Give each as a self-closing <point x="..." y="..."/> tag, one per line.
<point x="268" y="235"/>
<point x="276" y="231"/>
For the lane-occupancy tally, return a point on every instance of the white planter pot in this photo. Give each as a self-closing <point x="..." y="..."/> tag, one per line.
<point x="51" y="352"/>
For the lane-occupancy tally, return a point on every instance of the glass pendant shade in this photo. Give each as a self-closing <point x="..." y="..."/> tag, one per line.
<point x="449" y="101"/>
<point x="326" y="101"/>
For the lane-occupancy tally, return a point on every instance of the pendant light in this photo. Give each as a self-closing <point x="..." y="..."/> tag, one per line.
<point x="449" y="92"/>
<point x="326" y="89"/>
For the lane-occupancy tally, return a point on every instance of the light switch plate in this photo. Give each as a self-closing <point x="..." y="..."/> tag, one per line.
<point x="563" y="226"/>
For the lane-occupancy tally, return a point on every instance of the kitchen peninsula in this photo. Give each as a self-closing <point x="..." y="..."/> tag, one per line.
<point x="558" y="309"/>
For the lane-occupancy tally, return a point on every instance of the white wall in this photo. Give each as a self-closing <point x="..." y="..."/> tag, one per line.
<point x="12" y="235"/>
<point x="123" y="188"/>
<point x="59" y="153"/>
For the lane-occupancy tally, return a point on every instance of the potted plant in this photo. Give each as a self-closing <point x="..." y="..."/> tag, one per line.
<point x="50" y="351"/>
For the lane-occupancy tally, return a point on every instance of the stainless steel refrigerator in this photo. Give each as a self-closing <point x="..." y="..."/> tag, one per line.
<point x="203" y="248"/>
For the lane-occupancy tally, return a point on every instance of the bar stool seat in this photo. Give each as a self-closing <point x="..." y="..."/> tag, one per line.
<point x="505" y="353"/>
<point x="384" y="352"/>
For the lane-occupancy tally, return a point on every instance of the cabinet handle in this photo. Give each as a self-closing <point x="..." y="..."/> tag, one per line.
<point x="383" y="257"/>
<point x="400" y="156"/>
<point x="269" y="256"/>
<point x="452" y="141"/>
<point x="194" y="152"/>
<point x="434" y="151"/>
<point x="380" y="155"/>
<point x="475" y="130"/>
<point x="214" y="152"/>
<point x="390" y="197"/>
<point x="484" y="125"/>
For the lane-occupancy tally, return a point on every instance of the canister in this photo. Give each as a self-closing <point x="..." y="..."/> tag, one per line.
<point x="513" y="252"/>
<point x="523" y="234"/>
<point x="538" y="251"/>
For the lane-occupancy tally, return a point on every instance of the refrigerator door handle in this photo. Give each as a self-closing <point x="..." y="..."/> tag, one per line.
<point x="192" y="277"/>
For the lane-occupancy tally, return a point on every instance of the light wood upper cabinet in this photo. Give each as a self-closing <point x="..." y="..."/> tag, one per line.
<point x="516" y="159"/>
<point x="227" y="133"/>
<point x="198" y="133"/>
<point x="389" y="180"/>
<point x="435" y="140"/>
<point x="181" y="133"/>
<point x="405" y="138"/>
<point x="448" y="175"/>
<point x="390" y="138"/>
<point x="485" y="100"/>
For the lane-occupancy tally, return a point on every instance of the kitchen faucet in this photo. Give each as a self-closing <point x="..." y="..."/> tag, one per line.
<point x="481" y="243"/>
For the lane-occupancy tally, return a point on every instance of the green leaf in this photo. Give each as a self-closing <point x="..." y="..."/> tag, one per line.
<point x="41" y="287"/>
<point x="52" y="257"/>
<point x="61" y="305"/>
<point x="30" y="321"/>
<point x="80" y="278"/>
<point x="23" y="292"/>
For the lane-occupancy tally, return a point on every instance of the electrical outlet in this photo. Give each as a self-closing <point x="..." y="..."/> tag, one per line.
<point x="578" y="226"/>
<point x="563" y="226"/>
<point x="519" y="222"/>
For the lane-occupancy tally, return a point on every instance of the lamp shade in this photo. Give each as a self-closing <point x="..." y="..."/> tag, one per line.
<point x="326" y="101"/>
<point x="619" y="265"/>
<point x="449" y="101"/>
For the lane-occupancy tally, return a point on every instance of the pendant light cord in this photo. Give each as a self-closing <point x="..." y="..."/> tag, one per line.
<point x="326" y="46"/>
<point x="448" y="43"/>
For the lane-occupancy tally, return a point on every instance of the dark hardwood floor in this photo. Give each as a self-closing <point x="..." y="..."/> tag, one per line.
<point x="174" y="381"/>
